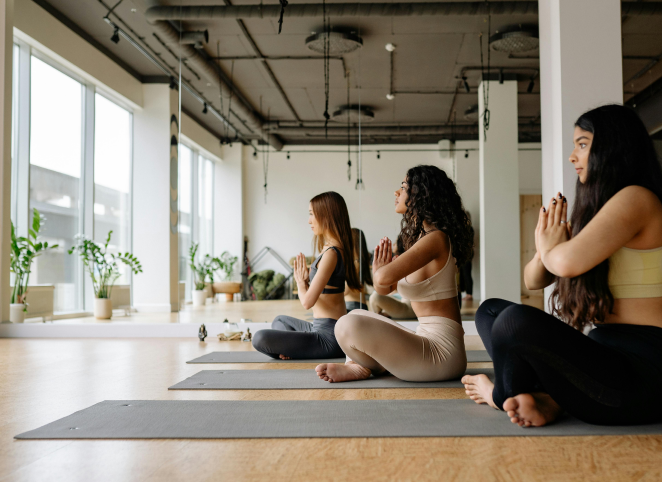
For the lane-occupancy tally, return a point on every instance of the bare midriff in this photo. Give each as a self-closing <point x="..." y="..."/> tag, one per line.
<point x="448" y="308"/>
<point x="637" y="311"/>
<point x="330" y="306"/>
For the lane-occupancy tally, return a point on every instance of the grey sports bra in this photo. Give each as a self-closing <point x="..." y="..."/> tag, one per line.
<point x="337" y="277"/>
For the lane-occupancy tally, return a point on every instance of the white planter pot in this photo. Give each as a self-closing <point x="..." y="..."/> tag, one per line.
<point x="200" y="297"/>
<point x="103" y="308"/>
<point x="16" y="313"/>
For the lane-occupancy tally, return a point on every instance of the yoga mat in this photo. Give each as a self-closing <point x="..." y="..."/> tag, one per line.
<point x="216" y="419"/>
<point x="300" y="380"/>
<point x="473" y="356"/>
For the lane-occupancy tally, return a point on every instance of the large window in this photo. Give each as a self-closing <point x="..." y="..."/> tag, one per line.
<point x="57" y="119"/>
<point x="56" y="126"/>
<point x="112" y="177"/>
<point x="196" y="206"/>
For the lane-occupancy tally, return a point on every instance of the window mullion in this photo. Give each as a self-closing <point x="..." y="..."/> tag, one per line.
<point x="87" y="187"/>
<point x="23" y="140"/>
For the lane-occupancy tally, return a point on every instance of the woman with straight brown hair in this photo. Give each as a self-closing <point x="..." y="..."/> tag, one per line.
<point x="358" y="299"/>
<point x="322" y="289"/>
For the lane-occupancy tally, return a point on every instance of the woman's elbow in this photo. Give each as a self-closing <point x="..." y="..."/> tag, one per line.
<point x="379" y="279"/>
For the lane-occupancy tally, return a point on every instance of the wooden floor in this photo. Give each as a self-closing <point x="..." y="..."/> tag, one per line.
<point x="45" y="379"/>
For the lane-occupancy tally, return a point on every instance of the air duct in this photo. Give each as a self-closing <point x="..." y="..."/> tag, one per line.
<point x="195" y="59"/>
<point x="194" y="38"/>
<point x="372" y="10"/>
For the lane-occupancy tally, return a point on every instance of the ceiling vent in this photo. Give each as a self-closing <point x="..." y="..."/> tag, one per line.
<point x="355" y="113"/>
<point x="471" y="114"/>
<point x="515" y="40"/>
<point x="341" y="41"/>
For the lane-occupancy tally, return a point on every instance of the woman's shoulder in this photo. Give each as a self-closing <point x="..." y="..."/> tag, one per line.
<point x="437" y="240"/>
<point x="636" y="195"/>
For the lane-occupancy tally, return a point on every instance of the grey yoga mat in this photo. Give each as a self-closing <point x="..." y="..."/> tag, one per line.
<point x="215" y="419"/>
<point x="473" y="356"/>
<point x="300" y="380"/>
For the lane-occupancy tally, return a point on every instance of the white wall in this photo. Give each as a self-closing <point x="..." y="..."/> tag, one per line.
<point x="281" y="223"/>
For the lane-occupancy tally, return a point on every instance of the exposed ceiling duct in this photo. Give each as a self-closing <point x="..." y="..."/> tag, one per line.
<point x="340" y="42"/>
<point x="197" y="39"/>
<point x="371" y="10"/>
<point x="354" y="114"/>
<point x="241" y="110"/>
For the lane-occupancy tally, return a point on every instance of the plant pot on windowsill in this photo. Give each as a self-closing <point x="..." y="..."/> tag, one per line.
<point x="200" y="297"/>
<point x="17" y="312"/>
<point x="227" y="287"/>
<point x="103" y="308"/>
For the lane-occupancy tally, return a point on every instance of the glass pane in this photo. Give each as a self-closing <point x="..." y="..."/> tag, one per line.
<point x="112" y="177"/>
<point x="204" y="218"/>
<point x="185" y="215"/>
<point x="55" y="170"/>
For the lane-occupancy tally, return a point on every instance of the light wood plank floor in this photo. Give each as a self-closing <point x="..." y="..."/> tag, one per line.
<point x="43" y="380"/>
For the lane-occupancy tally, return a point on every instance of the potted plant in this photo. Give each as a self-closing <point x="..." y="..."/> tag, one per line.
<point x="201" y="271"/>
<point x="104" y="271"/>
<point x="226" y="264"/>
<point x="23" y="251"/>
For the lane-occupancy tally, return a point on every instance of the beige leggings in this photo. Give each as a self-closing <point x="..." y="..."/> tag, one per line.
<point x="396" y="309"/>
<point x="435" y="351"/>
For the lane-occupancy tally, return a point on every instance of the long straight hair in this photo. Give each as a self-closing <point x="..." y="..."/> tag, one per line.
<point x="361" y="257"/>
<point x="331" y="213"/>
<point x="622" y="154"/>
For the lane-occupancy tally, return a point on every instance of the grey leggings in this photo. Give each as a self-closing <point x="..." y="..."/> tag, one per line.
<point x="298" y="339"/>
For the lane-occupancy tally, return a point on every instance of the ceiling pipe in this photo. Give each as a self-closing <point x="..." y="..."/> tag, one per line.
<point x="241" y="110"/>
<point x="192" y="38"/>
<point x="372" y="10"/>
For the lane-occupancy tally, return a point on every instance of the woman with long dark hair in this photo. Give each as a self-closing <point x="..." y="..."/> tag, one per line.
<point x="606" y="264"/>
<point x="321" y="289"/>
<point x="358" y="299"/>
<point x="437" y="236"/>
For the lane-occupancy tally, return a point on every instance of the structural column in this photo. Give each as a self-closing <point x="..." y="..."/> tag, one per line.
<point x="228" y="205"/>
<point x="155" y="202"/>
<point x="499" y="194"/>
<point x="581" y="68"/>
<point x="6" y="47"/>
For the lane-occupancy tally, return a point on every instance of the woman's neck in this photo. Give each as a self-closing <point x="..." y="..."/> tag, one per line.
<point x="329" y="241"/>
<point x="428" y="228"/>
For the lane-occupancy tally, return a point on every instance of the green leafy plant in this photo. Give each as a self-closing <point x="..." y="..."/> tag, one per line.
<point x="103" y="266"/>
<point x="226" y="264"/>
<point x="203" y="269"/>
<point x="23" y="251"/>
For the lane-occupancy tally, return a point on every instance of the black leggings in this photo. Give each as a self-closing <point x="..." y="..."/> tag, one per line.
<point x="613" y="376"/>
<point x="299" y="339"/>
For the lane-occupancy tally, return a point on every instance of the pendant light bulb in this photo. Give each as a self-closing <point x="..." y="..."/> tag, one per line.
<point x="390" y="96"/>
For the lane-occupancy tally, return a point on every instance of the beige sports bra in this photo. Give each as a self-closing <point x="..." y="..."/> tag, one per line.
<point x="439" y="286"/>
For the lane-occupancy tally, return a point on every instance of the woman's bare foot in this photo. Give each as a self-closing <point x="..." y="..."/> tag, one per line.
<point x="335" y="372"/>
<point x="479" y="388"/>
<point x="532" y="409"/>
<point x="468" y="297"/>
<point x="283" y="357"/>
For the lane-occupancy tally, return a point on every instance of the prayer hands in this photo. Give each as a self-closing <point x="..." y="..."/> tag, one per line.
<point x="383" y="254"/>
<point x="300" y="269"/>
<point x="553" y="228"/>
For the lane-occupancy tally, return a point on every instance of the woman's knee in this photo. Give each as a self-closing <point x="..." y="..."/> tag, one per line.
<point x="260" y="340"/>
<point x="279" y="323"/>
<point x="351" y="327"/>
<point x="513" y="325"/>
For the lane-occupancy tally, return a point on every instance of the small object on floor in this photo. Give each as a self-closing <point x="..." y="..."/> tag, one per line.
<point x="229" y="336"/>
<point x="202" y="332"/>
<point x="245" y="320"/>
<point x="248" y="336"/>
<point x="226" y="321"/>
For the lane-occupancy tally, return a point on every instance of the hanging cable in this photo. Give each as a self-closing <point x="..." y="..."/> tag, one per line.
<point x="327" y="59"/>
<point x="283" y="4"/>
<point x="218" y="55"/>
<point x="349" y="152"/>
<point x="359" y="162"/>
<point x="486" y="85"/>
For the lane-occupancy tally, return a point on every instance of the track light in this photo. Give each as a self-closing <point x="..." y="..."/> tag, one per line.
<point x="466" y="85"/>
<point x="204" y="109"/>
<point x="255" y="154"/>
<point x="173" y="83"/>
<point x="466" y="154"/>
<point x="378" y="155"/>
<point x="288" y="154"/>
<point x="501" y="76"/>
<point x="532" y="84"/>
<point x="116" y="35"/>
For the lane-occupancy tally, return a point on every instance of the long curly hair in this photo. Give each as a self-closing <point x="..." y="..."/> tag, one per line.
<point x="622" y="154"/>
<point x="433" y="197"/>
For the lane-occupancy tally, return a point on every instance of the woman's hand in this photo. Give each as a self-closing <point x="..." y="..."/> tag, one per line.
<point x="552" y="228"/>
<point x="383" y="254"/>
<point x="300" y="269"/>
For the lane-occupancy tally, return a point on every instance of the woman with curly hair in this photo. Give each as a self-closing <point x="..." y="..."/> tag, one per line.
<point x="437" y="237"/>
<point x="606" y="264"/>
